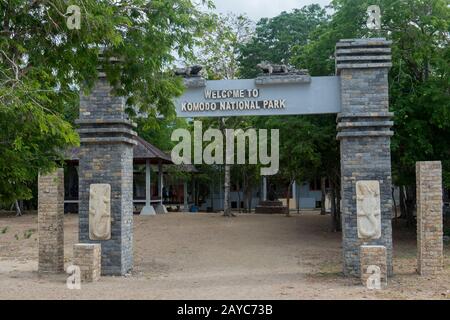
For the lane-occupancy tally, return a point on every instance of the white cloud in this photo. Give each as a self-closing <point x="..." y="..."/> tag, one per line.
<point x="257" y="9"/>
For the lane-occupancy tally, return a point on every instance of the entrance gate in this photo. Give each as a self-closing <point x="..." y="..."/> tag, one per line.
<point x="358" y="94"/>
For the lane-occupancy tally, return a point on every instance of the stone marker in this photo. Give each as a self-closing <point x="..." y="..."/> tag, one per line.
<point x="51" y="222"/>
<point x="368" y="209"/>
<point x="100" y="212"/>
<point x="373" y="256"/>
<point x="88" y="257"/>
<point x="429" y="218"/>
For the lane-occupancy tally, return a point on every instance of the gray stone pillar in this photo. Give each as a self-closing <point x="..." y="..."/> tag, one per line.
<point x="430" y="260"/>
<point x="51" y="222"/>
<point x="364" y="134"/>
<point x="106" y="157"/>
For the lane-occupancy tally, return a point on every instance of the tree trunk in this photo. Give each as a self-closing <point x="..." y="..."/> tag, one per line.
<point x="238" y="189"/>
<point x="335" y="210"/>
<point x="395" y="202"/>
<point x="323" y="196"/>
<point x="18" y="209"/>
<point x="227" y="177"/>
<point x="410" y="205"/>
<point x="226" y="193"/>
<point x="403" y="213"/>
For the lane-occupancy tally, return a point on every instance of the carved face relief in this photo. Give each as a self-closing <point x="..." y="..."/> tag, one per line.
<point x="100" y="212"/>
<point x="368" y="209"/>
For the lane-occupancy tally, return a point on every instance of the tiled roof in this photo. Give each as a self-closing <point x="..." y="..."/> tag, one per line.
<point x="141" y="152"/>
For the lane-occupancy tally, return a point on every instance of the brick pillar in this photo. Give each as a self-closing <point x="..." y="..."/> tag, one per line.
<point x="106" y="157"/>
<point x="364" y="134"/>
<point x="51" y="222"/>
<point x="429" y="218"/>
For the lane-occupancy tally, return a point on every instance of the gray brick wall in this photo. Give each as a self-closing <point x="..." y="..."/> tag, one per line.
<point x="364" y="133"/>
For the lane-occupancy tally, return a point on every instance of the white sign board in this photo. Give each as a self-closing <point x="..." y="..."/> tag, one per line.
<point x="228" y="98"/>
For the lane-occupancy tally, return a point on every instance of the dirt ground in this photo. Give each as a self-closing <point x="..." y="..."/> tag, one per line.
<point x="207" y="256"/>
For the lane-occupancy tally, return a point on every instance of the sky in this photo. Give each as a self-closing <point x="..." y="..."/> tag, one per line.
<point x="257" y="9"/>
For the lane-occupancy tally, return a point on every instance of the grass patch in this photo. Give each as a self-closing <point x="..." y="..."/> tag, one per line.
<point x="28" y="233"/>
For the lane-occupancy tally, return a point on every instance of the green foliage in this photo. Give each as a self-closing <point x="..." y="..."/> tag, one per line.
<point x="28" y="233"/>
<point x="219" y="50"/>
<point x="43" y="65"/>
<point x="276" y="38"/>
<point x="300" y="158"/>
<point x="419" y="79"/>
<point x="158" y="131"/>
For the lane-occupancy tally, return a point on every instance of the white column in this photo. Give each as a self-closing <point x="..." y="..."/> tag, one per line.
<point x="147" y="210"/>
<point x="264" y="188"/>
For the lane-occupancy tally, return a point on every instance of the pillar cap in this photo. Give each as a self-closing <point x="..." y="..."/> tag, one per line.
<point x="363" y="54"/>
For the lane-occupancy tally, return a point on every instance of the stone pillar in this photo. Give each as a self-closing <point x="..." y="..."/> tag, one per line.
<point x="87" y="256"/>
<point x="106" y="157"/>
<point x="364" y="134"/>
<point x="51" y="222"/>
<point x="429" y="218"/>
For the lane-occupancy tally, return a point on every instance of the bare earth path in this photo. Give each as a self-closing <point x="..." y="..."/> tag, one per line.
<point x="206" y="256"/>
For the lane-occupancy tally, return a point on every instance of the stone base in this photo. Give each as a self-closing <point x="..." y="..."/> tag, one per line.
<point x="148" y="211"/>
<point x="88" y="257"/>
<point x="373" y="256"/>
<point x="160" y="209"/>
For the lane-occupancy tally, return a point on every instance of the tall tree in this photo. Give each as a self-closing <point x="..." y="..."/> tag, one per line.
<point x="219" y="53"/>
<point x="419" y="79"/>
<point x="276" y="37"/>
<point x="43" y="64"/>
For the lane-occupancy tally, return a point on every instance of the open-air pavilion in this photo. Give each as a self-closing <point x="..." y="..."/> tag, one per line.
<point x="148" y="199"/>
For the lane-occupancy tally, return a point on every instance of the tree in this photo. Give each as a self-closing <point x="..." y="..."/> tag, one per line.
<point x="43" y="65"/>
<point x="419" y="78"/>
<point x="298" y="152"/>
<point x="275" y="38"/>
<point x="219" y="55"/>
<point x="219" y="50"/>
